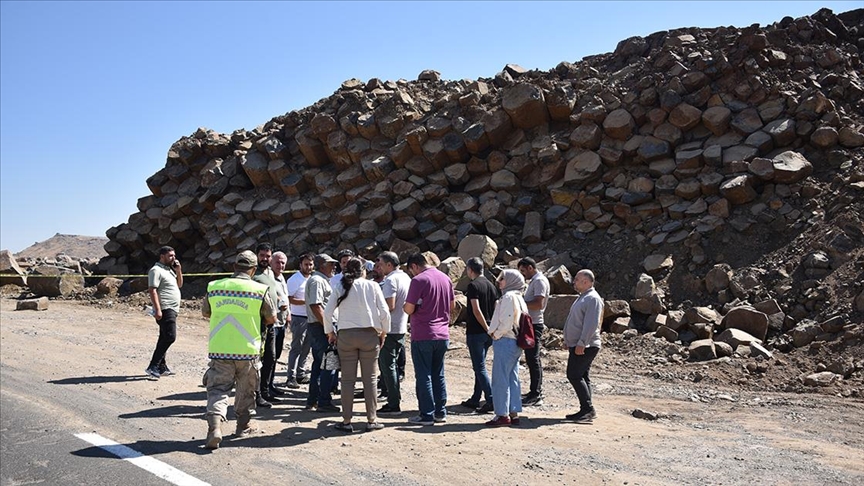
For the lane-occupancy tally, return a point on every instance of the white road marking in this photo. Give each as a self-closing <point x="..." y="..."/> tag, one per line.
<point x="149" y="464"/>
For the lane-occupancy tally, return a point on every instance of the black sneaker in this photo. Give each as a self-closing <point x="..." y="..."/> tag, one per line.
<point x="532" y="400"/>
<point x="586" y="418"/>
<point x="261" y="402"/>
<point x="303" y="379"/>
<point x="276" y="392"/>
<point x="292" y="384"/>
<point x="388" y="410"/>
<point x="470" y="404"/>
<point x="271" y="399"/>
<point x="487" y="407"/>
<point x="328" y="409"/>
<point x="153" y="372"/>
<point x="165" y="371"/>
<point x="582" y="416"/>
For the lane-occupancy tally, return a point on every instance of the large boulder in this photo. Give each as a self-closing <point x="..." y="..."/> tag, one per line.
<point x="702" y="350"/>
<point x="108" y="286"/>
<point x="791" y="167"/>
<point x="38" y="304"/>
<point x="526" y="105"/>
<point x="824" y="378"/>
<point x="736" y="337"/>
<point x="8" y="266"/>
<point x="700" y="315"/>
<point x="657" y="263"/>
<point x="560" y="280"/>
<point x="619" y="124"/>
<point x="54" y="281"/>
<point x="805" y="333"/>
<point x="557" y="310"/>
<point x="478" y="246"/>
<point x="747" y="319"/>
<point x="717" y="278"/>
<point x="453" y="267"/>
<point x="738" y="190"/>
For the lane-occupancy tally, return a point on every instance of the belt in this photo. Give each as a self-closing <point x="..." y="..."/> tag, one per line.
<point x="298" y="315"/>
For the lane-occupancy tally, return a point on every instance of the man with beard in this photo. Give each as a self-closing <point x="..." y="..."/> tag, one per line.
<point x="164" y="281"/>
<point x="264" y="275"/>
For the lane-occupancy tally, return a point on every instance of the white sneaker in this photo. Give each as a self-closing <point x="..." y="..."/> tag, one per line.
<point x="420" y="421"/>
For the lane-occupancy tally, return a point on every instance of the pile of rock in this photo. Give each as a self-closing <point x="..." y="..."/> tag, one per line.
<point x="60" y="276"/>
<point x="692" y="130"/>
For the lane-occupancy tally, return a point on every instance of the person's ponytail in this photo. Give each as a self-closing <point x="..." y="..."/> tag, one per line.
<point x="353" y="270"/>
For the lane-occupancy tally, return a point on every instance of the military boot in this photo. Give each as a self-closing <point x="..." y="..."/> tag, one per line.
<point x="214" y="431"/>
<point x="244" y="425"/>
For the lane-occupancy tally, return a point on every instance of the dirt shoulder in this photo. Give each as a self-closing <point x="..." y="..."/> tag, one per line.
<point x="85" y="363"/>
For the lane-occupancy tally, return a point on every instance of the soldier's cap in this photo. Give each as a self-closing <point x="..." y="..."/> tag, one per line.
<point x="246" y="259"/>
<point x="322" y="258"/>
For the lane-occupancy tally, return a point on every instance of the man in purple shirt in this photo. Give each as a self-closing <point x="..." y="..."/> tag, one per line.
<point x="429" y="302"/>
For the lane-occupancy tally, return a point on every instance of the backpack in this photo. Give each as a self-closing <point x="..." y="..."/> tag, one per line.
<point x="525" y="333"/>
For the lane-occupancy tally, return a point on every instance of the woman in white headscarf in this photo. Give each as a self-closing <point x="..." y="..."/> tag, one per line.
<point x="506" y="389"/>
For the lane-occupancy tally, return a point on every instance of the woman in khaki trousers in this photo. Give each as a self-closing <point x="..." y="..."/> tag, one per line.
<point x="362" y="317"/>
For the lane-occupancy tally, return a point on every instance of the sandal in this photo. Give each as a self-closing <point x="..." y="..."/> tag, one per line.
<point x="344" y="427"/>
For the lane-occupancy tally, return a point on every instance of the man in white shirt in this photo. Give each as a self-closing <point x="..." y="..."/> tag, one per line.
<point x="299" y="351"/>
<point x="395" y="288"/>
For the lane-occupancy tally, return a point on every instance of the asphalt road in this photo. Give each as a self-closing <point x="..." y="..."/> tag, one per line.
<point x="39" y="444"/>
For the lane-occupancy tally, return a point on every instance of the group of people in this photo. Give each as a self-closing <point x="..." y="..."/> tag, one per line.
<point x="362" y="314"/>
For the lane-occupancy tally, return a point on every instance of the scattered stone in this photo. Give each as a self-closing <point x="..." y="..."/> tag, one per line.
<point x="9" y="266"/>
<point x="825" y="378"/>
<point x="717" y="278"/>
<point x="723" y="349"/>
<point x="747" y="319"/>
<point x="736" y="338"/>
<point x="38" y="304"/>
<point x="108" y="286"/>
<point x="702" y="350"/>
<point x="666" y="333"/>
<point x="644" y="415"/>
<point x="805" y="333"/>
<point x="619" y="325"/>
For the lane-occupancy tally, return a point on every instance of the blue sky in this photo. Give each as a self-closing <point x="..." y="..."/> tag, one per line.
<point x="92" y="94"/>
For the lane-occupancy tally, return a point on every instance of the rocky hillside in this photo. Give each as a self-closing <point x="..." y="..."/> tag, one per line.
<point x="75" y="246"/>
<point x="725" y="162"/>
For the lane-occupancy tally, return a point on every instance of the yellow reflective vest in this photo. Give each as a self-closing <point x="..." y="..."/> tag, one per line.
<point x="235" y="318"/>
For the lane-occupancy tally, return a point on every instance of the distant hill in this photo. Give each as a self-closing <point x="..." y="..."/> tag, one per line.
<point x="76" y="246"/>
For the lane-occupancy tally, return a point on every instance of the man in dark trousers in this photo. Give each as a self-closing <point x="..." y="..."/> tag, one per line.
<point x="264" y="275"/>
<point x="481" y="294"/>
<point x="582" y="339"/>
<point x="163" y="284"/>
<point x="536" y="297"/>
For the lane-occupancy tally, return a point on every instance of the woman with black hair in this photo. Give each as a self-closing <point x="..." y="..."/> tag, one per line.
<point x="363" y="322"/>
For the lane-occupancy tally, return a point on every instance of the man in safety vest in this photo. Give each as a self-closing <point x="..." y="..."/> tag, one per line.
<point x="236" y="307"/>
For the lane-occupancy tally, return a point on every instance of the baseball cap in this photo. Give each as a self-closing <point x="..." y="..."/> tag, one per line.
<point x="246" y="259"/>
<point x="322" y="258"/>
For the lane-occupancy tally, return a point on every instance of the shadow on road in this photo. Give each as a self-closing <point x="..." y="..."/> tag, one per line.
<point x="144" y="448"/>
<point x="170" y="411"/>
<point x="85" y="380"/>
<point x="199" y="396"/>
